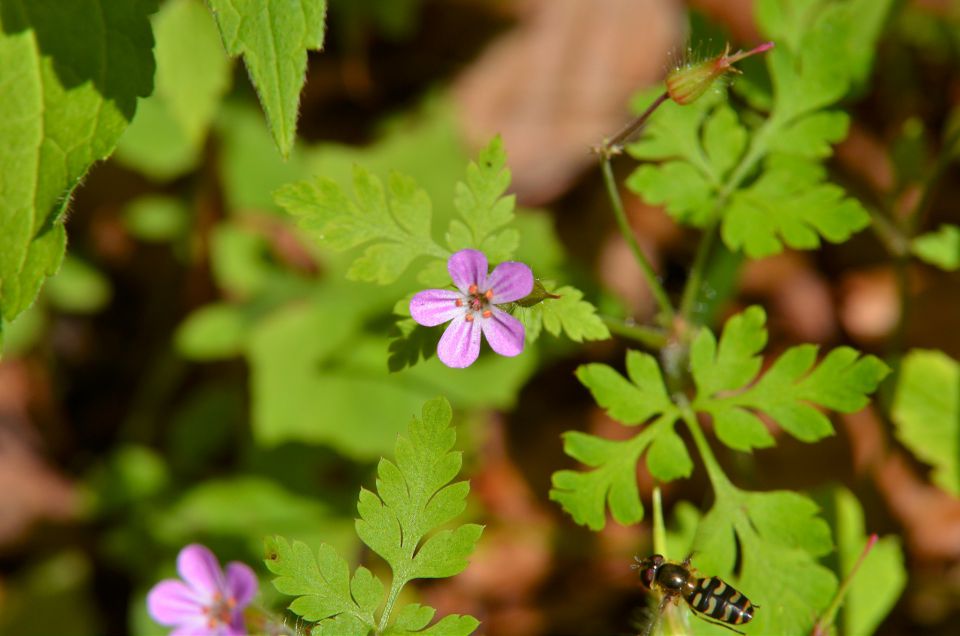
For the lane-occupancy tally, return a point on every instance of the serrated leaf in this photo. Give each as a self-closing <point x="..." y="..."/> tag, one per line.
<point x="569" y="314"/>
<point x="940" y="248"/>
<point x="811" y="137"/>
<point x="926" y="412"/>
<point x="396" y="228"/>
<point x="632" y="401"/>
<point x="273" y="40"/>
<point x="790" y="204"/>
<point x="321" y="583"/>
<point x="68" y="93"/>
<point x="414" y="499"/>
<point x="452" y="625"/>
<point x="481" y="203"/>
<point x="727" y="387"/>
<point x="678" y="186"/>
<point x="410" y="344"/>
<point x="772" y="532"/>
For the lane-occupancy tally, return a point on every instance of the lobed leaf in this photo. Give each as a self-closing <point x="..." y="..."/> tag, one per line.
<point x="321" y="583"/>
<point x="773" y="533"/>
<point x="568" y="314"/>
<point x="790" y="204"/>
<point x="787" y="392"/>
<point x="273" y="39"/>
<point x="395" y="228"/>
<point x="414" y="498"/>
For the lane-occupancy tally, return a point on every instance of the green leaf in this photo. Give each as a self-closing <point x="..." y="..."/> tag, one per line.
<point x="482" y="206"/>
<point x="213" y="332"/>
<point x="569" y="314"/>
<point x="613" y="481"/>
<point x="882" y="576"/>
<point x="68" y="93"/>
<point x="321" y="583"/>
<point x="245" y="508"/>
<point x="630" y="401"/>
<point x="156" y="218"/>
<point x="78" y="288"/>
<point x="926" y="412"/>
<point x="414" y="497"/>
<point x="772" y="532"/>
<point x="727" y="387"/>
<point x="273" y="40"/>
<point x="940" y="248"/>
<point x="790" y="204"/>
<point x="193" y="73"/>
<point x="397" y="228"/>
<point x="410" y="344"/>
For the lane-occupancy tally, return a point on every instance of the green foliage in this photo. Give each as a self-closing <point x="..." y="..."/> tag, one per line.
<point x="940" y="248"/>
<point x="765" y="184"/>
<point x="193" y="72"/>
<point x="156" y="218"/>
<point x="78" y="288"/>
<point x="728" y="389"/>
<point x="68" y="93"/>
<point x="882" y="576"/>
<point x="395" y="227"/>
<point x="568" y="314"/>
<point x="401" y="522"/>
<point x="926" y="412"/>
<point x="273" y="40"/>
<point x="779" y="538"/>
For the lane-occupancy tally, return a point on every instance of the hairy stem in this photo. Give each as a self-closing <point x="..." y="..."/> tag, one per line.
<point x="667" y="312"/>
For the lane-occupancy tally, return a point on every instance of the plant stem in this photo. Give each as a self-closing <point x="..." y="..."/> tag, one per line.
<point x="649" y="337"/>
<point x="659" y="528"/>
<point x="395" y="588"/>
<point x="822" y="626"/>
<point x="614" y="145"/>
<point x="666" y="309"/>
<point x="718" y="478"/>
<point x="691" y="289"/>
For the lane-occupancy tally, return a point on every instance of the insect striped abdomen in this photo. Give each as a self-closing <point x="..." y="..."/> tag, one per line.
<point x="714" y="598"/>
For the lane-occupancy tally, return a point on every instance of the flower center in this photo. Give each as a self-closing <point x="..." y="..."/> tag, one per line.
<point x="220" y="611"/>
<point x="477" y="302"/>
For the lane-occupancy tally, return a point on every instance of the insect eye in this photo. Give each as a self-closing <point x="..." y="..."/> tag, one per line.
<point x="648" y="576"/>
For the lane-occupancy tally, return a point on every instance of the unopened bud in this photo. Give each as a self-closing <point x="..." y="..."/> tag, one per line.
<point x="686" y="84"/>
<point x="537" y="295"/>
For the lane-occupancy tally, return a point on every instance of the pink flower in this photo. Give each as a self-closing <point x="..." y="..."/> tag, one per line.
<point x="472" y="308"/>
<point x="208" y="602"/>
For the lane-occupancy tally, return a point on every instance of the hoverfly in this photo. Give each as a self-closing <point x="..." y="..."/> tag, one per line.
<point x="710" y="598"/>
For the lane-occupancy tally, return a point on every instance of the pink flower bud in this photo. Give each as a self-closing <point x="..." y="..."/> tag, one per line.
<point x="686" y="84"/>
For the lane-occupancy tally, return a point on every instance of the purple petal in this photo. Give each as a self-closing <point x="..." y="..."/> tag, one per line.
<point x="200" y="569"/>
<point x="171" y="602"/>
<point x="509" y="281"/>
<point x="504" y="333"/>
<point x="237" y="627"/>
<point x="467" y="267"/>
<point x="197" y="628"/>
<point x="460" y="344"/>
<point x="435" y="306"/>
<point x="241" y="583"/>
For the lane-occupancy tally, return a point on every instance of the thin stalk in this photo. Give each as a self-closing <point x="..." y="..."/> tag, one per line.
<point x="659" y="527"/>
<point x="649" y="337"/>
<point x="666" y="308"/>
<point x="614" y="145"/>
<point x="695" y="280"/>
<point x="395" y="587"/>
<point x="822" y="626"/>
<point x="717" y="477"/>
